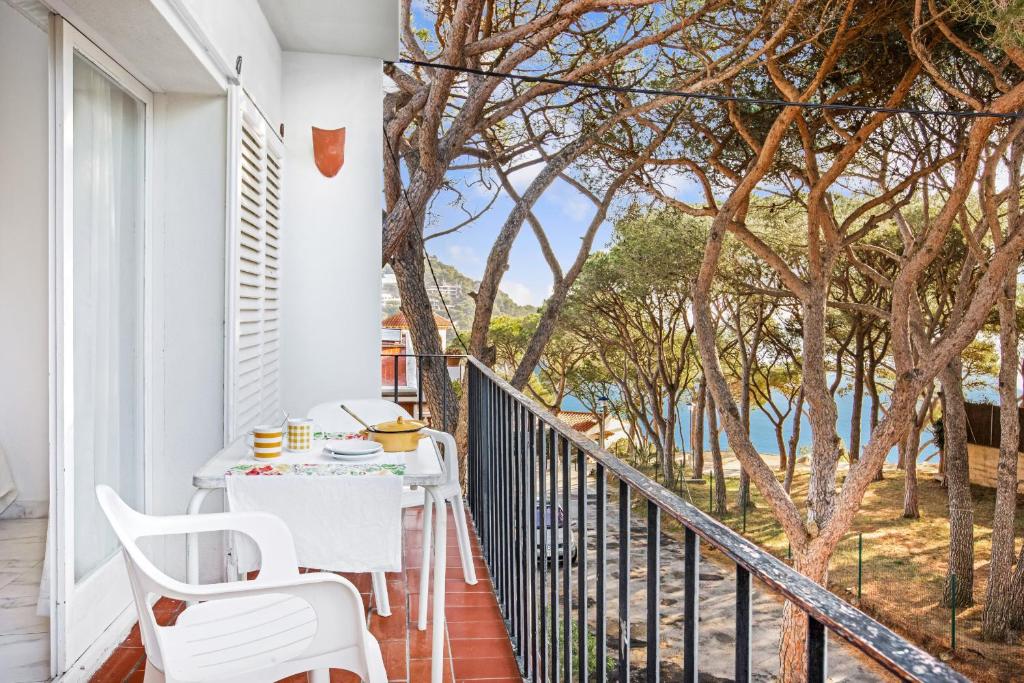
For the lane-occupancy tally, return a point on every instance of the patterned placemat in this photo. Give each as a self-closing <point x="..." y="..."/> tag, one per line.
<point x="318" y="470"/>
<point x="339" y="435"/>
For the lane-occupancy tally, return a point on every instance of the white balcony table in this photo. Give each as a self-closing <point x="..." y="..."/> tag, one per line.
<point x="423" y="467"/>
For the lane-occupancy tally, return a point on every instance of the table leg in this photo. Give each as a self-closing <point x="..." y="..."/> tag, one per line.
<point x="428" y="530"/>
<point x="440" y="552"/>
<point x="195" y="503"/>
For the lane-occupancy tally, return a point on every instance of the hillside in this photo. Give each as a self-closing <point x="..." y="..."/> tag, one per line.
<point x="455" y="288"/>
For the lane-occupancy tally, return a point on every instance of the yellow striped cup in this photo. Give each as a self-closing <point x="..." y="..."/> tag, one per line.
<point x="267" y="441"/>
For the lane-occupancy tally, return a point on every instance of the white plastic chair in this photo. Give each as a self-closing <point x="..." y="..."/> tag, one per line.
<point x="280" y="624"/>
<point x="330" y="417"/>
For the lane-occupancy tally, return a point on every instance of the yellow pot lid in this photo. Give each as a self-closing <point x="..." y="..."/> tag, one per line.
<point x="400" y="425"/>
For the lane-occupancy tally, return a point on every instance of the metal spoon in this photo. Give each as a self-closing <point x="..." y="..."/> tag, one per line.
<point x="358" y="419"/>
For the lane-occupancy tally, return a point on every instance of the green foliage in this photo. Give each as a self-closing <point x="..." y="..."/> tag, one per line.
<point x="574" y="635"/>
<point x="1002" y="21"/>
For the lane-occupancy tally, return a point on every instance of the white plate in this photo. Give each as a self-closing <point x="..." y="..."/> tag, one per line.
<point x="352" y="447"/>
<point x="343" y="457"/>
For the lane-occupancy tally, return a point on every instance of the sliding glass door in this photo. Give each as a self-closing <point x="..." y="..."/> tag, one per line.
<point x="100" y="256"/>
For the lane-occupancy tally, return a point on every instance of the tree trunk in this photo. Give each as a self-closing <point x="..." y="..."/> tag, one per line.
<point x="780" y="441"/>
<point x="697" y="429"/>
<point x="794" y="442"/>
<point x="721" y="507"/>
<point x="997" y="616"/>
<point x="1017" y="593"/>
<point x="668" y="455"/>
<point x="958" y="489"/>
<point x="743" y="495"/>
<point x="911" y="509"/>
<point x="875" y="407"/>
<point x="426" y="339"/>
<point x="812" y="563"/>
<point x="825" y="442"/>
<point x="858" y="396"/>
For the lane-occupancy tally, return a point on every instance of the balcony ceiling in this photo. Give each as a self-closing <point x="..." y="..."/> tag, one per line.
<point x="344" y="27"/>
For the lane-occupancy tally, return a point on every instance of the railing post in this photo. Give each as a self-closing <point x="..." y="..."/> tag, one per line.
<point x="817" y="647"/>
<point x="601" y="532"/>
<point x="553" y="535"/>
<point x="419" y="388"/>
<point x="624" y="533"/>
<point x="691" y="604"/>
<point x="395" y="396"/>
<point x="581" y="566"/>
<point x="743" y="623"/>
<point x="540" y="507"/>
<point x="566" y="566"/>
<point x="531" y="550"/>
<point x="653" y="592"/>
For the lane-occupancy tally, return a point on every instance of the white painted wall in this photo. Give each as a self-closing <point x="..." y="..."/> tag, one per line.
<point x="188" y="222"/>
<point x="239" y="27"/>
<point x="332" y="234"/>
<point x="23" y="254"/>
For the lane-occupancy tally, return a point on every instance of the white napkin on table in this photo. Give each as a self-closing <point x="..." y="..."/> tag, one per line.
<point x="349" y="523"/>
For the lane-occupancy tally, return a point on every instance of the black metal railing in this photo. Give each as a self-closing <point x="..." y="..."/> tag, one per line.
<point x="392" y="386"/>
<point x="522" y="459"/>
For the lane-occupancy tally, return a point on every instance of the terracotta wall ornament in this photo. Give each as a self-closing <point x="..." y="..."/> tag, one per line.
<point x="329" y="150"/>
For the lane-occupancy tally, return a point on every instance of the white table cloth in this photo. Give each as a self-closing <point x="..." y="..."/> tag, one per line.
<point x="343" y="517"/>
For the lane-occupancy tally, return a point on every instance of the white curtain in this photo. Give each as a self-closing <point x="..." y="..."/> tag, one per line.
<point x="108" y="193"/>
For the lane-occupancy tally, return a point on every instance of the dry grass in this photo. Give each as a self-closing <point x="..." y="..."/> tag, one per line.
<point x="904" y="563"/>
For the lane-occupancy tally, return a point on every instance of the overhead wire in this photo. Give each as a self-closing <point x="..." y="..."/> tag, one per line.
<point x="711" y="97"/>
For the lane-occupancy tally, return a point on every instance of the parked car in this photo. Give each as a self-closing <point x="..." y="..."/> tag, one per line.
<point x="543" y="533"/>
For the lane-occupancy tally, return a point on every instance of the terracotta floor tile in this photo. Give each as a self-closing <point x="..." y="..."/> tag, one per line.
<point x="477" y="629"/>
<point x="395" y="657"/>
<point x="419" y="671"/>
<point x="420" y="643"/>
<point x="474" y="613"/>
<point x="453" y="600"/>
<point x="481" y="648"/>
<point x="389" y="628"/>
<point x="362" y="582"/>
<point x="134" y="638"/>
<point x="121" y="662"/>
<point x="338" y="676"/>
<point x="502" y="667"/>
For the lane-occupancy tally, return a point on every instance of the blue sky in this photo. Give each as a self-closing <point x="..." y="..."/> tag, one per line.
<point x="564" y="213"/>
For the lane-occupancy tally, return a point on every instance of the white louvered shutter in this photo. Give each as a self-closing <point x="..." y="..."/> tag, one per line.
<point x="254" y="388"/>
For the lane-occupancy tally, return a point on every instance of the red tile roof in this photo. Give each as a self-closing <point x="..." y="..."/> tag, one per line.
<point x="581" y="422"/>
<point x="399" y="322"/>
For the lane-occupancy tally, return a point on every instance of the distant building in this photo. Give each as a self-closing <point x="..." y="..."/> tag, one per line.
<point x="983" y="445"/>
<point x="589" y="425"/>
<point x="399" y="370"/>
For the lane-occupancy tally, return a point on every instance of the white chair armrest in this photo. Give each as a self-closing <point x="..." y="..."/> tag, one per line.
<point x="450" y="461"/>
<point x="258" y="586"/>
<point x="269" y="532"/>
